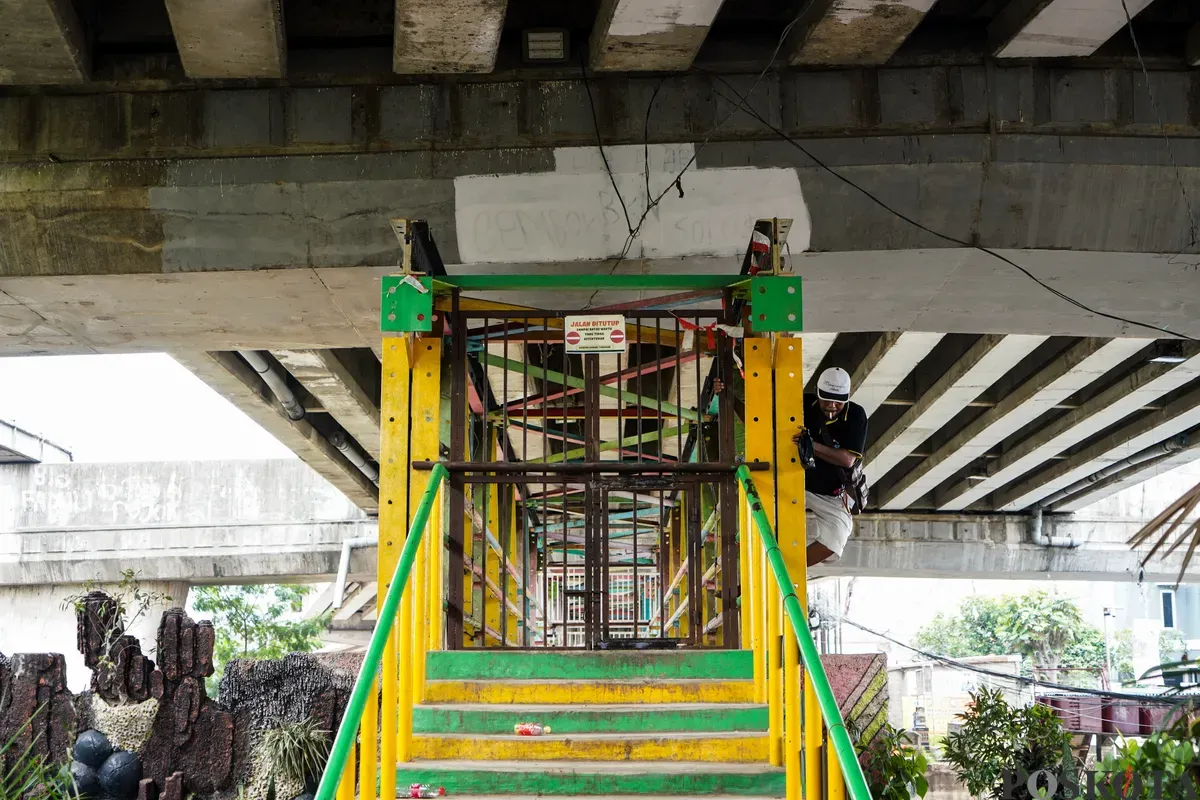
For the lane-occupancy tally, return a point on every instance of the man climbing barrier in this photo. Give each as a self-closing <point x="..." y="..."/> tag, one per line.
<point x="831" y="443"/>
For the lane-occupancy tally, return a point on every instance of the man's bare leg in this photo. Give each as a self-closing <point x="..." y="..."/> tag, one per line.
<point x="817" y="553"/>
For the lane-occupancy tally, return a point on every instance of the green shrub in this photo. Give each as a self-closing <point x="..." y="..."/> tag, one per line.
<point x="895" y="770"/>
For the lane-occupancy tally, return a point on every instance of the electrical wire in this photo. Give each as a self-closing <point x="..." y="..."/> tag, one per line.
<point x="945" y="237"/>
<point x="635" y="231"/>
<point x="1162" y="129"/>
<point x="1019" y="679"/>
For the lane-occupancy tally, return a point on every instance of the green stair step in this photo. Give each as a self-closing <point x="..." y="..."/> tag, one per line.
<point x="602" y="665"/>
<point x="641" y="718"/>
<point x="507" y="778"/>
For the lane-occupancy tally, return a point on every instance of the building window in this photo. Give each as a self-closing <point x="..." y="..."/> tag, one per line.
<point x="1168" y="607"/>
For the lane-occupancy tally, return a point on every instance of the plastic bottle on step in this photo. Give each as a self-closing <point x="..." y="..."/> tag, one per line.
<point x="530" y="729"/>
<point x="425" y="790"/>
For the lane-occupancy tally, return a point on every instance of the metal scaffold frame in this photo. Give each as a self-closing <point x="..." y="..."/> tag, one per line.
<point x="465" y="507"/>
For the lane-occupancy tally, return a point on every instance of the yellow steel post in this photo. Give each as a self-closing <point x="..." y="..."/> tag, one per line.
<point x="426" y="429"/>
<point x="425" y="409"/>
<point x="757" y="611"/>
<point x="745" y="606"/>
<point x="437" y="549"/>
<point x="833" y="774"/>
<point x="813" y="733"/>
<point x="345" y="790"/>
<point x="393" y="523"/>
<point x="789" y="491"/>
<point x="760" y="447"/>
<point x="493" y="606"/>
<point x="369" y="745"/>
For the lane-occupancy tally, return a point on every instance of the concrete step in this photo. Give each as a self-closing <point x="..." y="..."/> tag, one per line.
<point x="574" y="692"/>
<point x="564" y="778"/>
<point x="724" y="747"/>
<point x="615" y="718"/>
<point x="481" y="664"/>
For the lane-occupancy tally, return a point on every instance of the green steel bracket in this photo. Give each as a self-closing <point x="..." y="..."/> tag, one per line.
<point x="776" y="303"/>
<point x="404" y="308"/>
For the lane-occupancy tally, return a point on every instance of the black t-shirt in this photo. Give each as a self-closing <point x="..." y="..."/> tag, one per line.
<point x="847" y="431"/>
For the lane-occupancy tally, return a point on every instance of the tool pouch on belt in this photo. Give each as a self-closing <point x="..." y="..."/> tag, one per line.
<point x="855" y="481"/>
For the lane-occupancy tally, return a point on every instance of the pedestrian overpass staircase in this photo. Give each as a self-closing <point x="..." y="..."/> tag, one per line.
<point x="644" y="723"/>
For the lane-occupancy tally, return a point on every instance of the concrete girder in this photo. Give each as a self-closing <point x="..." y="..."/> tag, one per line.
<point x="982" y="365"/>
<point x="1104" y="410"/>
<point x="42" y="41"/>
<point x="354" y="603"/>
<point x="650" y="35"/>
<point x="1192" y="53"/>
<point x="859" y="32"/>
<point x="234" y="380"/>
<point x="447" y="36"/>
<point x="816" y="346"/>
<point x="1058" y="28"/>
<point x="1077" y="368"/>
<point x="340" y="391"/>
<point x="1131" y="477"/>
<point x="887" y="364"/>
<point x="1179" y="415"/>
<point x="229" y="38"/>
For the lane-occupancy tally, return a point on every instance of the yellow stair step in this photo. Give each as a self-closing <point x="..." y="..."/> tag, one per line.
<point x="722" y="747"/>
<point x="503" y="692"/>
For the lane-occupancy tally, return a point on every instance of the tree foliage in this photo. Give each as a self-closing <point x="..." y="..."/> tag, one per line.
<point x="1046" y="627"/>
<point x="258" y="622"/>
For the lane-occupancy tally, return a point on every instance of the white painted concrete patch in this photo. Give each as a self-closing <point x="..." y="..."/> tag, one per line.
<point x="847" y="11"/>
<point x="1071" y="28"/>
<point x="642" y="17"/>
<point x="573" y="214"/>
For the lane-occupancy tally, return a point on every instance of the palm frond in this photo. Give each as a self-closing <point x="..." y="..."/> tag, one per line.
<point x="1162" y="530"/>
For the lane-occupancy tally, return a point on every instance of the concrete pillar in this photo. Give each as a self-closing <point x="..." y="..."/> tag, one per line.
<point x="440" y="36"/>
<point x="36" y="621"/>
<point x="833" y="32"/>
<point x="229" y="38"/>
<point x="1058" y="28"/>
<point x="41" y="41"/>
<point x="650" y="35"/>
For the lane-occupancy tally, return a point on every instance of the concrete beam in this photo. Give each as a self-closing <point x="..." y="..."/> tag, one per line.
<point x="1080" y="366"/>
<point x="1130" y="478"/>
<point x="888" y="363"/>
<point x="253" y="553"/>
<point x="229" y="38"/>
<point x="42" y="41"/>
<point x="1192" y="48"/>
<point x="650" y="35"/>
<point x="981" y="366"/>
<point x="994" y="547"/>
<point x="234" y="380"/>
<point x="855" y="32"/>
<point x="816" y="346"/>
<point x="447" y="36"/>
<point x="1058" y="28"/>
<point x="1179" y="415"/>
<point x="1104" y="410"/>
<point x="331" y="380"/>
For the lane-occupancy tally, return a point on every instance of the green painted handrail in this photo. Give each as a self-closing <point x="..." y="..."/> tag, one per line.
<point x="386" y="618"/>
<point x="856" y="782"/>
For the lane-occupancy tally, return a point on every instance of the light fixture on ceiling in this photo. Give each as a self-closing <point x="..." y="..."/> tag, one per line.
<point x="1168" y="353"/>
<point x="545" y="45"/>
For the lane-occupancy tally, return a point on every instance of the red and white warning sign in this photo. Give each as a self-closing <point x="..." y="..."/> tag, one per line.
<point x="602" y="333"/>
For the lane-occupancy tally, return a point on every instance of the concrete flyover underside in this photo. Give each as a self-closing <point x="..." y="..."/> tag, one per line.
<point x="219" y="219"/>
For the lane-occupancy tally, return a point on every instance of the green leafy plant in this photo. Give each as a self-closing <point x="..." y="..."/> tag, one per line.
<point x="998" y="739"/>
<point x="894" y="768"/>
<point x="253" y="622"/>
<point x="297" y="751"/>
<point x="1164" y="765"/>
<point x="31" y="775"/>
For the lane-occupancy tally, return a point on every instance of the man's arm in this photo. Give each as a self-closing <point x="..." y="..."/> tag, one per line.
<point x="834" y="455"/>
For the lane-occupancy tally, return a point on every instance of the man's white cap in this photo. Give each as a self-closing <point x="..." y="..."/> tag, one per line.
<point x="834" y="385"/>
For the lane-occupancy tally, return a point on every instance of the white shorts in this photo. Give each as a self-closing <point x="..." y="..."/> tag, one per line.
<point x="827" y="521"/>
